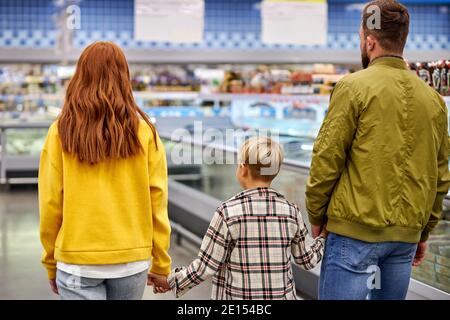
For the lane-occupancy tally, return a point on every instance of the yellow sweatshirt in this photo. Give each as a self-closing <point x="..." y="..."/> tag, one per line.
<point x="109" y="213"/>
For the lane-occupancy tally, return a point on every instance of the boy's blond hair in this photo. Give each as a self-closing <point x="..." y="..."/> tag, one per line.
<point x="263" y="156"/>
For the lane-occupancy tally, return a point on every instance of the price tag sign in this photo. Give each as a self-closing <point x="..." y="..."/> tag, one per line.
<point x="176" y="21"/>
<point x="297" y="22"/>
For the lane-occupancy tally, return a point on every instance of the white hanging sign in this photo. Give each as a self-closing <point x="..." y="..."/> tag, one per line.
<point x="298" y="22"/>
<point x="177" y="21"/>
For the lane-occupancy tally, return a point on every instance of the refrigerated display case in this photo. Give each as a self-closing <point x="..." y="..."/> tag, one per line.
<point x="20" y="146"/>
<point x="24" y="122"/>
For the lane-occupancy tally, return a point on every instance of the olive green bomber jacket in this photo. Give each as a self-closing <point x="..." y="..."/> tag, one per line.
<point x="379" y="170"/>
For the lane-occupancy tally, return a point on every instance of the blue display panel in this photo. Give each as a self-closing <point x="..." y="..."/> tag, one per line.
<point x="229" y="24"/>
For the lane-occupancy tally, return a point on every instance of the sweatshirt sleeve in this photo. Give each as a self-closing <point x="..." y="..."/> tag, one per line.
<point x="161" y="262"/>
<point x="50" y="185"/>
<point x="443" y="182"/>
<point x="330" y="151"/>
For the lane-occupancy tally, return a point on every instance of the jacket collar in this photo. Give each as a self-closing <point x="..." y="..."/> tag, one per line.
<point x="394" y="62"/>
<point x="259" y="192"/>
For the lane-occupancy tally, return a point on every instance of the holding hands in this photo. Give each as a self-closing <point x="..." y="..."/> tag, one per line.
<point x="159" y="283"/>
<point x="319" y="231"/>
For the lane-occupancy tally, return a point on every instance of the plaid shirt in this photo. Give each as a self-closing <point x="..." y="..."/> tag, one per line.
<point x="248" y="249"/>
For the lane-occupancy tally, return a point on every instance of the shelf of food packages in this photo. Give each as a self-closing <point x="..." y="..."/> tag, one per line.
<point x="313" y="78"/>
<point x="213" y="78"/>
<point x="217" y="182"/>
<point x="205" y="78"/>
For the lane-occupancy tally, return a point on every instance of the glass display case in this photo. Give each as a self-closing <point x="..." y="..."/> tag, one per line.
<point x="435" y="270"/>
<point x="20" y="146"/>
<point x="24" y="122"/>
<point x="24" y="142"/>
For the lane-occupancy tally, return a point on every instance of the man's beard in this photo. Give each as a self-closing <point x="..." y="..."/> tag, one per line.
<point x="365" y="60"/>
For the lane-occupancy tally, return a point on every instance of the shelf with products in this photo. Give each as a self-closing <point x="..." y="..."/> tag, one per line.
<point x="436" y="74"/>
<point x="313" y="78"/>
<point x="232" y="78"/>
<point x="214" y="90"/>
<point x="186" y="90"/>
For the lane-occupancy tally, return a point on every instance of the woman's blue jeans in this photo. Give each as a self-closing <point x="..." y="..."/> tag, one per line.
<point x="79" y="288"/>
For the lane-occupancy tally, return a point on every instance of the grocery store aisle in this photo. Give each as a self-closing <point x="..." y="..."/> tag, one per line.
<point x="21" y="273"/>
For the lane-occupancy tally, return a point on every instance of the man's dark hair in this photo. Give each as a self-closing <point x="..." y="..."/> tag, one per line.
<point x="394" y="25"/>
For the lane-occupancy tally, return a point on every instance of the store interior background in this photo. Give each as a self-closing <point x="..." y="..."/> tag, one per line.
<point x="230" y="79"/>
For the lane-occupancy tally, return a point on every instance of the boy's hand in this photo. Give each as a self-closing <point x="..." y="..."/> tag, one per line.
<point x="159" y="283"/>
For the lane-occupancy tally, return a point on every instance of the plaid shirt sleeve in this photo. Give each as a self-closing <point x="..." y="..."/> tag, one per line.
<point x="212" y="255"/>
<point x="307" y="252"/>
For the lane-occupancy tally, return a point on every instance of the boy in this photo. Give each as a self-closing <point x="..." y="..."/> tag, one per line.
<point x="252" y="237"/>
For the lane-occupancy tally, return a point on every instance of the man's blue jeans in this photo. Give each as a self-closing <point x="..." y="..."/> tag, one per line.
<point x="357" y="270"/>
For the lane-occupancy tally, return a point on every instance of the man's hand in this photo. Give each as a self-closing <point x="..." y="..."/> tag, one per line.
<point x="53" y="286"/>
<point x="159" y="283"/>
<point x="315" y="230"/>
<point x="420" y="254"/>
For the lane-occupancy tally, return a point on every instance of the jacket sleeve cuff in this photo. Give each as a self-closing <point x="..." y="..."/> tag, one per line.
<point x="163" y="271"/>
<point x="317" y="220"/>
<point x="424" y="236"/>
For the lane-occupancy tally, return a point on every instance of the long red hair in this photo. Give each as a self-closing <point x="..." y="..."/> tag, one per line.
<point x="100" y="119"/>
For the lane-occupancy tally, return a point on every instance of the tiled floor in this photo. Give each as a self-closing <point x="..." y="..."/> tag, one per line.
<point x="21" y="273"/>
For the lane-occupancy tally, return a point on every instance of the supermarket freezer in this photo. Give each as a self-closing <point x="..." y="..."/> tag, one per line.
<point x="20" y="145"/>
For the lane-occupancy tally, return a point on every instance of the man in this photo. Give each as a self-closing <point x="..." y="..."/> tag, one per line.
<point x="379" y="171"/>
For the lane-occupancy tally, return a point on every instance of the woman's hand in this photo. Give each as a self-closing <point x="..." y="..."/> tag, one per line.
<point x="53" y="286"/>
<point x="159" y="283"/>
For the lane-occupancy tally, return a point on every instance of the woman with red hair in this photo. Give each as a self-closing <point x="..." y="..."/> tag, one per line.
<point x="103" y="186"/>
